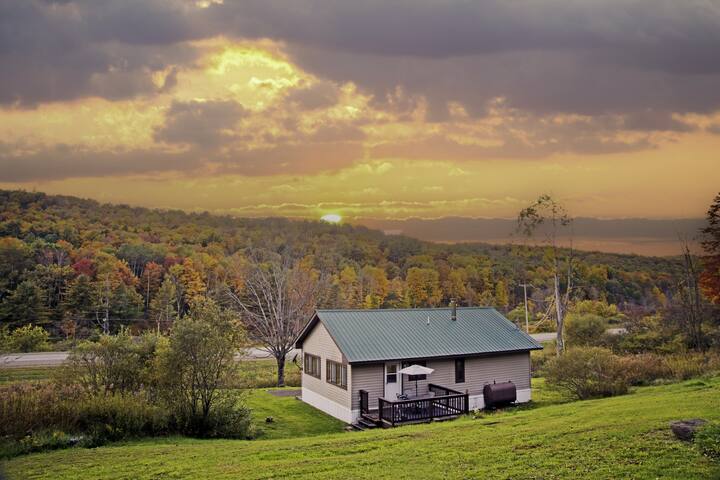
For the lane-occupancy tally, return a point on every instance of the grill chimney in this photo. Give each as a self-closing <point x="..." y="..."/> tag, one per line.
<point x="453" y="306"/>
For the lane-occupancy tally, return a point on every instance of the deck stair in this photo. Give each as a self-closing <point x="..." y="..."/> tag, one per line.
<point x="367" y="421"/>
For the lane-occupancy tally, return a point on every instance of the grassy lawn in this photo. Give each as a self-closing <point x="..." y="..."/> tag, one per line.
<point x="291" y="417"/>
<point x="263" y="373"/>
<point x="621" y="437"/>
<point x="251" y="373"/>
<point x="9" y="375"/>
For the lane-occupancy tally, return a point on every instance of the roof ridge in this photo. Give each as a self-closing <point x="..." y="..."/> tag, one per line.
<point x="398" y="309"/>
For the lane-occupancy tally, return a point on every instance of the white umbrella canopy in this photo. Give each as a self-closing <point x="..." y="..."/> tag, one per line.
<point x="416" y="370"/>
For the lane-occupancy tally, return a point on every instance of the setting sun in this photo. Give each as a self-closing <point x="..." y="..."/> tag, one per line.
<point x="331" y="218"/>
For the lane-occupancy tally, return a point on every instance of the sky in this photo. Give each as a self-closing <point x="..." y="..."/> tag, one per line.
<point x="374" y="110"/>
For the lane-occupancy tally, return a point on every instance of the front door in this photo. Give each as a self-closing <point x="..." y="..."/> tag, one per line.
<point x="393" y="380"/>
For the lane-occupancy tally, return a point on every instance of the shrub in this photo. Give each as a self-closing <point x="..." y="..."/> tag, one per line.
<point x="538" y="358"/>
<point x="37" y="442"/>
<point x="587" y="373"/>
<point x="647" y="368"/>
<point x="30" y="410"/>
<point x="707" y="440"/>
<point x="122" y="415"/>
<point x="230" y="418"/>
<point x="115" y="363"/>
<point x="197" y="366"/>
<point x="29" y="339"/>
<point x="33" y="407"/>
<point x="583" y="330"/>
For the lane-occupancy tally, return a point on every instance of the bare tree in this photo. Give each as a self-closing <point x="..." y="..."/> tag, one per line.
<point x="546" y="211"/>
<point x="690" y="310"/>
<point x="275" y="296"/>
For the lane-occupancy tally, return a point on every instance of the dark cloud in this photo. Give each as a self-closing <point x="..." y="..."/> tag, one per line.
<point x="63" y="161"/>
<point x="625" y="66"/>
<point x="546" y="56"/>
<point x="714" y="128"/>
<point x="207" y="124"/>
<point x="298" y="158"/>
<point x="315" y="96"/>
<point x="53" y="51"/>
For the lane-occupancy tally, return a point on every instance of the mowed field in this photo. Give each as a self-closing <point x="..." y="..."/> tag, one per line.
<point x="621" y="437"/>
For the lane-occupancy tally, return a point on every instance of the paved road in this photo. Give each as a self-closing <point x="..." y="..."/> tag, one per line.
<point x="42" y="359"/>
<point x="544" y="337"/>
<point x="52" y="359"/>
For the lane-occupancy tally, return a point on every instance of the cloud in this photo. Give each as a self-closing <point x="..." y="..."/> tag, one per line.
<point x="545" y="56"/>
<point x="207" y="124"/>
<point x="402" y="79"/>
<point x="315" y="96"/>
<point x="64" y="161"/>
<point x="55" y="51"/>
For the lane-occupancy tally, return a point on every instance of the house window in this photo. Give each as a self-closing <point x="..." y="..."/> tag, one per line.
<point x="312" y="365"/>
<point x="336" y="373"/>
<point x="391" y="373"/>
<point x="459" y="370"/>
<point x="413" y="378"/>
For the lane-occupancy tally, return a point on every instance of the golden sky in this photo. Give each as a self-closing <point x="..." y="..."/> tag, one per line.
<point x="256" y="121"/>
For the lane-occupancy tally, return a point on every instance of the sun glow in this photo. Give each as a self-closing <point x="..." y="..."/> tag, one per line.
<point x="331" y="218"/>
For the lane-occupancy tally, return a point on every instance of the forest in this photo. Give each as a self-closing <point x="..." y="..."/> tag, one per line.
<point x="76" y="266"/>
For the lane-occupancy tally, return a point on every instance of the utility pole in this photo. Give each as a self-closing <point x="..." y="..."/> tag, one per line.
<point x="527" y="323"/>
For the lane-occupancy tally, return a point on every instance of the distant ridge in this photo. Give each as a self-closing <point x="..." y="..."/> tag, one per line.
<point x="633" y="235"/>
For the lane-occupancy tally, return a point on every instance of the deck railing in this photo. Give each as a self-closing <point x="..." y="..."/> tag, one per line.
<point x="449" y="404"/>
<point x="364" y="402"/>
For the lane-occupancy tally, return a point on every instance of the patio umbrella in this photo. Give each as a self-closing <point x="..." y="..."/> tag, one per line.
<point x="416" y="370"/>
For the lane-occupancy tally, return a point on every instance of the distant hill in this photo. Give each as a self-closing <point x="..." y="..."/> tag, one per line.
<point x="634" y="235"/>
<point x="55" y="247"/>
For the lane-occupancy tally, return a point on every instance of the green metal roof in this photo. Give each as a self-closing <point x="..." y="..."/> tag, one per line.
<point x="374" y="335"/>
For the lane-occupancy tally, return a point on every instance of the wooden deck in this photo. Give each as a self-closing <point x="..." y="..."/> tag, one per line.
<point x="444" y="403"/>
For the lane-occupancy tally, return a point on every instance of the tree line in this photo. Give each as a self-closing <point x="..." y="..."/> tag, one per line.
<point x="76" y="267"/>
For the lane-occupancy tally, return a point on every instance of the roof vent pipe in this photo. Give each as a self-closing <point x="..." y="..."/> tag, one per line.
<point x="453" y="306"/>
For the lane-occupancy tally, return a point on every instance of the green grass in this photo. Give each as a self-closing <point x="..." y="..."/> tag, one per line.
<point x="263" y="373"/>
<point x="291" y="417"/>
<point x="252" y="373"/>
<point x="621" y="437"/>
<point x="9" y="375"/>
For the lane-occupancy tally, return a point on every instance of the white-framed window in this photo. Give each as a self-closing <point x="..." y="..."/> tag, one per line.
<point x="336" y="373"/>
<point x="311" y="365"/>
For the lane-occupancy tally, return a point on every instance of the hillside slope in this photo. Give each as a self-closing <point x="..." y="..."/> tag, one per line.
<point x="48" y="242"/>
<point x="621" y="437"/>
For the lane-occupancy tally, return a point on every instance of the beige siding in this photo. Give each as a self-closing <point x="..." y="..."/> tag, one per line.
<point x="370" y="378"/>
<point x="478" y="372"/>
<point x="320" y="343"/>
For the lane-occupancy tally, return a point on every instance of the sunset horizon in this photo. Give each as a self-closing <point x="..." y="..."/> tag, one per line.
<point x="222" y="107"/>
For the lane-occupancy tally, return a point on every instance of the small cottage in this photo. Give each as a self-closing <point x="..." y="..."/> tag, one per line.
<point x="353" y="362"/>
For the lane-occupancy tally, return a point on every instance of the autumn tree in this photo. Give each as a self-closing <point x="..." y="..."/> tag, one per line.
<point x="710" y="277"/>
<point x="375" y="286"/>
<point x="277" y="298"/>
<point x="502" y="298"/>
<point x="547" y="217"/>
<point x="150" y="281"/>
<point x="163" y="307"/>
<point x="423" y="286"/>
<point x="348" y="287"/>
